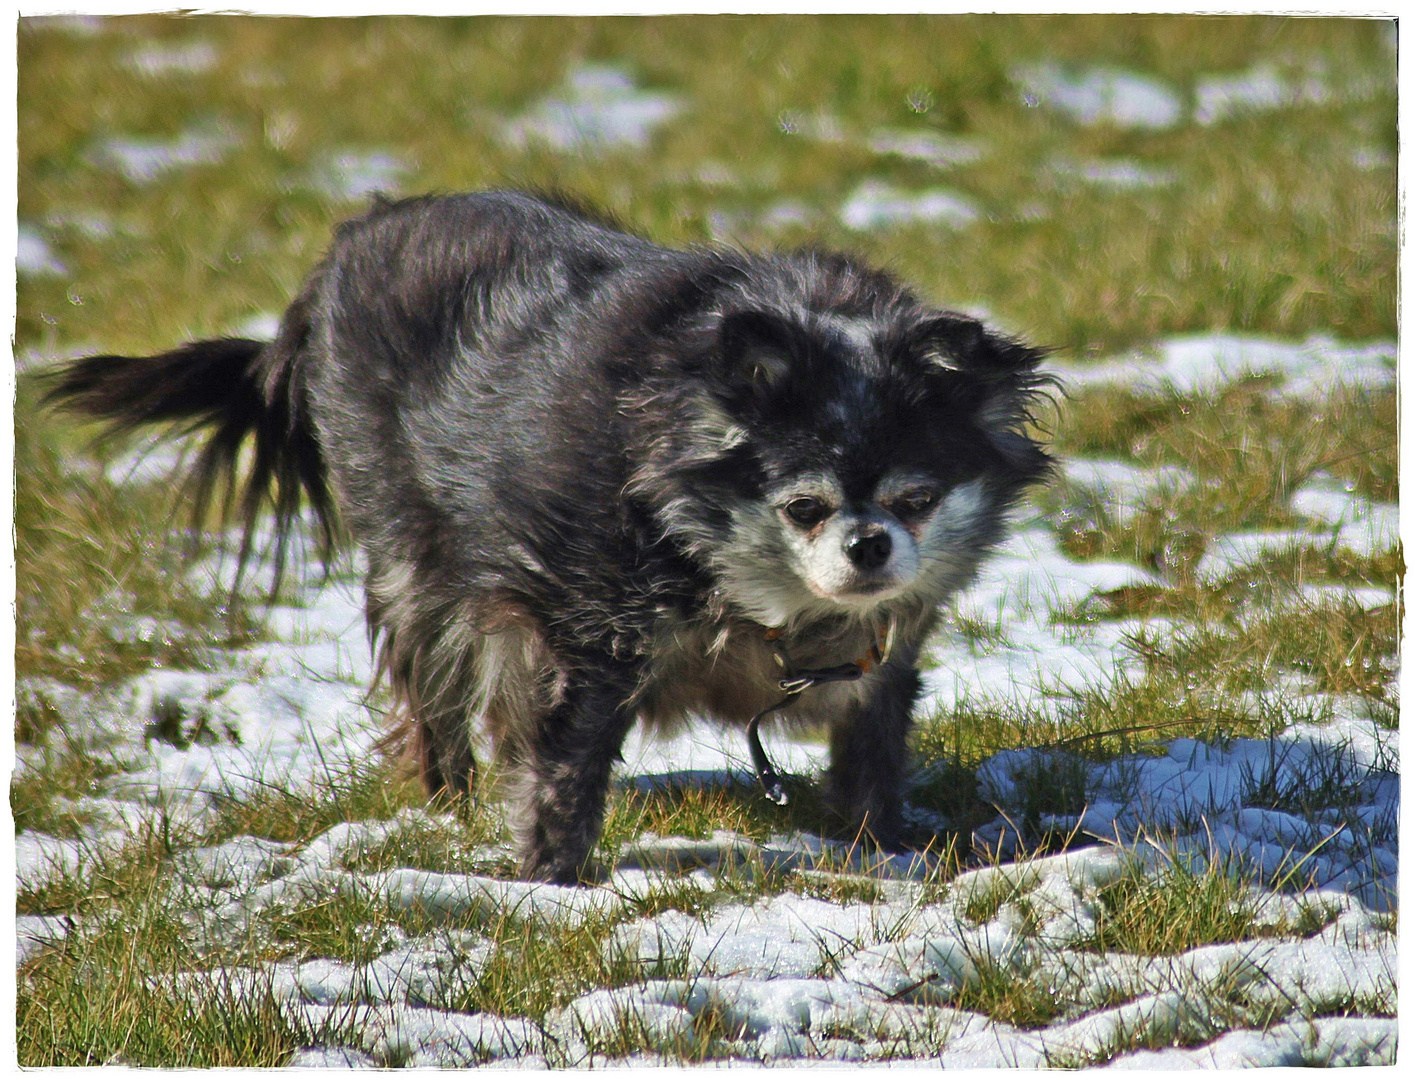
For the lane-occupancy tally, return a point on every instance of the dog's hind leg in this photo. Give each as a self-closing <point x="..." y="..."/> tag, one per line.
<point x="439" y="701"/>
<point x="430" y="662"/>
<point x="563" y="769"/>
<point x="444" y="752"/>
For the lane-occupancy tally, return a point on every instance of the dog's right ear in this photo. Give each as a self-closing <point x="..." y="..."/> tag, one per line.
<point x="757" y="350"/>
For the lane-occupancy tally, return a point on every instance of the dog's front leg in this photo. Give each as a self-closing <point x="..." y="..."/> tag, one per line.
<point x="565" y="773"/>
<point x="869" y="754"/>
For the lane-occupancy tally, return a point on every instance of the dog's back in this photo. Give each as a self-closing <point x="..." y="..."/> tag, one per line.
<point x="454" y="339"/>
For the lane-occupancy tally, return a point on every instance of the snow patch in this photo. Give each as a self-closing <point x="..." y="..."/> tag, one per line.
<point x="160" y="58"/>
<point x="33" y="255"/>
<point x="940" y="151"/>
<point x="141" y="161"/>
<point x="1031" y="659"/>
<point x="1362" y="525"/>
<point x="1123" y="486"/>
<point x="1202" y="362"/>
<point x="1119" y="174"/>
<point x="599" y="109"/>
<point x="1101" y="95"/>
<point x="355" y="174"/>
<point x="262" y="327"/>
<point x="1260" y="88"/>
<point x="35" y="933"/>
<point x="878" y="205"/>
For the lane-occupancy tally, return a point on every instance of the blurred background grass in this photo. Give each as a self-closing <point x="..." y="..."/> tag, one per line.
<point x="1277" y="221"/>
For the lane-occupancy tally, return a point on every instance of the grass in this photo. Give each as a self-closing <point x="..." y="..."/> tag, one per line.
<point x="1304" y="248"/>
<point x="1279" y="223"/>
<point x="122" y="564"/>
<point x="105" y="995"/>
<point x="1022" y="998"/>
<point x="987" y="898"/>
<point x="1241" y="433"/>
<point x="297" y="816"/>
<point x="103" y="1018"/>
<point x="1187" y="904"/>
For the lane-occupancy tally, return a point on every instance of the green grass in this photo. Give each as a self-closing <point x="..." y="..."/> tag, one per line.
<point x="1187" y="903"/>
<point x="1307" y="238"/>
<point x="93" y="561"/>
<point x="1271" y="228"/>
<point x="295" y="816"/>
<point x="1021" y="998"/>
<point x="105" y="995"/>
<point x="987" y="898"/>
<point x="1240" y="428"/>
<point x="73" y="1012"/>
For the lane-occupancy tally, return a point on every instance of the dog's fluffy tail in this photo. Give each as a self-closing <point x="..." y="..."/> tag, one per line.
<point x="232" y="389"/>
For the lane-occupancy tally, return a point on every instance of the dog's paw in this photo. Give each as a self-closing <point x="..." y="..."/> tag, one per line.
<point x="552" y="871"/>
<point x="902" y="833"/>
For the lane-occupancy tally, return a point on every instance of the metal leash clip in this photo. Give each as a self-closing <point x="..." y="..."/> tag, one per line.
<point x="795" y="684"/>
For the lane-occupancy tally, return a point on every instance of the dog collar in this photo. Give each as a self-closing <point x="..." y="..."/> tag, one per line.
<point x="795" y="682"/>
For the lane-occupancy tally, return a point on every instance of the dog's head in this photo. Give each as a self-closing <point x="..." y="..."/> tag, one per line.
<point x="834" y="457"/>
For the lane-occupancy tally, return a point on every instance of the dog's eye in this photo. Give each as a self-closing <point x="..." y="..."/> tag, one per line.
<point x="915" y="503"/>
<point x="807" y="511"/>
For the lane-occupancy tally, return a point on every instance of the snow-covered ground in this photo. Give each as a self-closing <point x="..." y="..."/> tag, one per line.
<point x="599" y="108"/>
<point x="796" y="977"/>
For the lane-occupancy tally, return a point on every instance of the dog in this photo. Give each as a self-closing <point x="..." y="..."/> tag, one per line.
<point x="598" y="481"/>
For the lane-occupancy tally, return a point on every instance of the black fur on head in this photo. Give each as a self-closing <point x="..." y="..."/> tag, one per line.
<point x="809" y="365"/>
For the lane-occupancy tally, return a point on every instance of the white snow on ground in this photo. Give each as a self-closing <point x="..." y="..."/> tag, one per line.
<point x="1034" y="662"/>
<point x="1258" y="89"/>
<point x="1361" y="525"/>
<point x="262" y="326"/>
<point x="1199" y="362"/>
<point x="143" y="461"/>
<point x="1124" y="486"/>
<point x="76" y="25"/>
<point x="1121" y="174"/>
<point x="33" y="255"/>
<point x="36" y="932"/>
<point x="798" y="978"/>
<point x="157" y="59"/>
<point x="940" y="151"/>
<point x="1101" y="95"/>
<point x="355" y="174"/>
<point x="875" y="204"/>
<point x="599" y="108"/>
<point x="726" y="226"/>
<point x="286" y="713"/>
<point x="792" y="977"/>
<point x="142" y="161"/>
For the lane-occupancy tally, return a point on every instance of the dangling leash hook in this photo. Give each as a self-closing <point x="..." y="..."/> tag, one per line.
<point x="796" y="683"/>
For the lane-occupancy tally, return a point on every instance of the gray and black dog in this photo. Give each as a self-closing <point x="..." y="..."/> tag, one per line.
<point x="597" y="480"/>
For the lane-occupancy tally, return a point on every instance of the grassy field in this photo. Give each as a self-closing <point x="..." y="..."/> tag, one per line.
<point x="179" y="176"/>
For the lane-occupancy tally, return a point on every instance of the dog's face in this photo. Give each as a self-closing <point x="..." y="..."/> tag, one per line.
<point x="861" y="551"/>
<point x="859" y="459"/>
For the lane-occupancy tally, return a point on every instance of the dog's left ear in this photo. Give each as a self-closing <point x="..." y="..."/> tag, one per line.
<point x="993" y="376"/>
<point x="757" y="349"/>
<point x="958" y="343"/>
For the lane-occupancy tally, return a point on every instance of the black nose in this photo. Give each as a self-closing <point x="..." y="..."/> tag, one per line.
<point x="870" y="550"/>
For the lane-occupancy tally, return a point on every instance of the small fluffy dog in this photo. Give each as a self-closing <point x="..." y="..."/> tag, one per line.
<point x="597" y="480"/>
